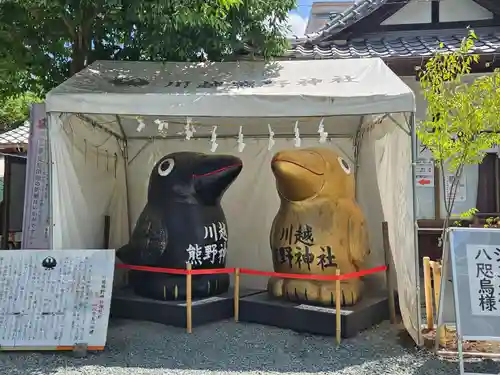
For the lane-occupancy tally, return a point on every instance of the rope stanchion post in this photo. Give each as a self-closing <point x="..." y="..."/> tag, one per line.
<point x="388" y="274"/>
<point x="429" y="311"/>
<point x="436" y="280"/>
<point x="189" y="299"/>
<point x="236" y="295"/>
<point x="338" y="322"/>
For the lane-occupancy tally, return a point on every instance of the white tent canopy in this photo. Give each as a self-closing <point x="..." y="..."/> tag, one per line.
<point x="101" y="162"/>
<point x="234" y="90"/>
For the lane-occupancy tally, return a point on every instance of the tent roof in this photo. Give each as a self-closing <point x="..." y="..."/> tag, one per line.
<point x="234" y="89"/>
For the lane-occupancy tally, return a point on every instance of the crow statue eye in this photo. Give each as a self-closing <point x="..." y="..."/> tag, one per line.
<point x="345" y="166"/>
<point x="165" y="167"/>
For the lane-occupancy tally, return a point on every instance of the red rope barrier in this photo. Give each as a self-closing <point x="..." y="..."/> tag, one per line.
<point x="213" y="271"/>
<point x="314" y="277"/>
<point x="176" y="271"/>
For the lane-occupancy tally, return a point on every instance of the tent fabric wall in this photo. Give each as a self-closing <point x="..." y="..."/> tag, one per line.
<point x="85" y="185"/>
<point x="385" y="186"/>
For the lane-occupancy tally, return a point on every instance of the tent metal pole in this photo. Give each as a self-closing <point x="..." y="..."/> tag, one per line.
<point x="124" y="150"/>
<point x="398" y="124"/>
<point x="235" y="136"/>
<point x="144" y="146"/>
<point x="99" y="126"/>
<point x="357" y="146"/>
<point x="414" y="157"/>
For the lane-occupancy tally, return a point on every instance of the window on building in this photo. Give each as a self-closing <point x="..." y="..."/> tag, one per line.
<point x="488" y="200"/>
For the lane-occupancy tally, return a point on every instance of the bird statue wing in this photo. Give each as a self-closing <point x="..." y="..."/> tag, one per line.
<point x="357" y="234"/>
<point x="148" y="241"/>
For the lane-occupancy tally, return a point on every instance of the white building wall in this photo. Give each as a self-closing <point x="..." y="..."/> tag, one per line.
<point x="420" y="11"/>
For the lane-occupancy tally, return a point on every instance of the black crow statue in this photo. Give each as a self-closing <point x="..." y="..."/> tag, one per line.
<point x="182" y="222"/>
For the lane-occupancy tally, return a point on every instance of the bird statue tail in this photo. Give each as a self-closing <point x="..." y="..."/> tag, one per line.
<point x="126" y="254"/>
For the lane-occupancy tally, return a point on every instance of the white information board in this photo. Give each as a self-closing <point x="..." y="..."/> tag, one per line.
<point x="473" y="261"/>
<point x="483" y="263"/>
<point x="55" y="299"/>
<point x="425" y="173"/>
<point x="461" y="189"/>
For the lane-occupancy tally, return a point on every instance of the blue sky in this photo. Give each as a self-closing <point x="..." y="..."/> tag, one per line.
<point x="303" y="8"/>
<point x="299" y="16"/>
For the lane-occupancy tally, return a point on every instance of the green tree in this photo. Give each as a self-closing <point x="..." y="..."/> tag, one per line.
<point x="15" y="109"/>
<point x="462" y="119"/>
<point x="46" y="41"/>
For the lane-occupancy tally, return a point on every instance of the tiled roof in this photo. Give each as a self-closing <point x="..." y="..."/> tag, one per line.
<point x="322" y="44"/>
<point x="16" y="136"/>
<point x="396" y="44"/>
<point x="357" y="11"/>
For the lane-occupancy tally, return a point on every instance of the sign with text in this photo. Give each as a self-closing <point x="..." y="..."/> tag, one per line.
<point x="483" y="262"/>
<point x="36" y="220"/>
<point x="214" y="251"/>
<point x="461" y="187"/>
<point x="55" y="298"/>
<point x="296" y="249"/>
<point x="425" y="173"/>
<point x="475" y="266"/>
<point x="234" y="84"/>
<point x="471" y="267"/>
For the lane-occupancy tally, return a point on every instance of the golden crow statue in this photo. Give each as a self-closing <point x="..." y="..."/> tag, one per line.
<point x="318" y="227"/>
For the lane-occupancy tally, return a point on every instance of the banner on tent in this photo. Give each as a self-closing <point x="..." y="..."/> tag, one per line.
<point x="55" y="299"/>
<point x="473" y="261"/>
<point x="251" y="82"/>
<point x="36" y="221"/>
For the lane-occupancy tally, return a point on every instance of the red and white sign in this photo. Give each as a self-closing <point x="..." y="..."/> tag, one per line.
<point x="425" y="173"/>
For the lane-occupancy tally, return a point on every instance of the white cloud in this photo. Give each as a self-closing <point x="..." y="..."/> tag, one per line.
<point x="297" y="25"/>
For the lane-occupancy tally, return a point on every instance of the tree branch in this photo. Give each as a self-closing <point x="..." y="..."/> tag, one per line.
<point x="69" y="26"/>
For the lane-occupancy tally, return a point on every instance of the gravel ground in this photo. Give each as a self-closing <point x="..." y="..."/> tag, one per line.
<point x="140" y="348"/>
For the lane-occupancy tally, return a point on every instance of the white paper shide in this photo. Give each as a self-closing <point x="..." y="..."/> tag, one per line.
<point x="51" y="298"/>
